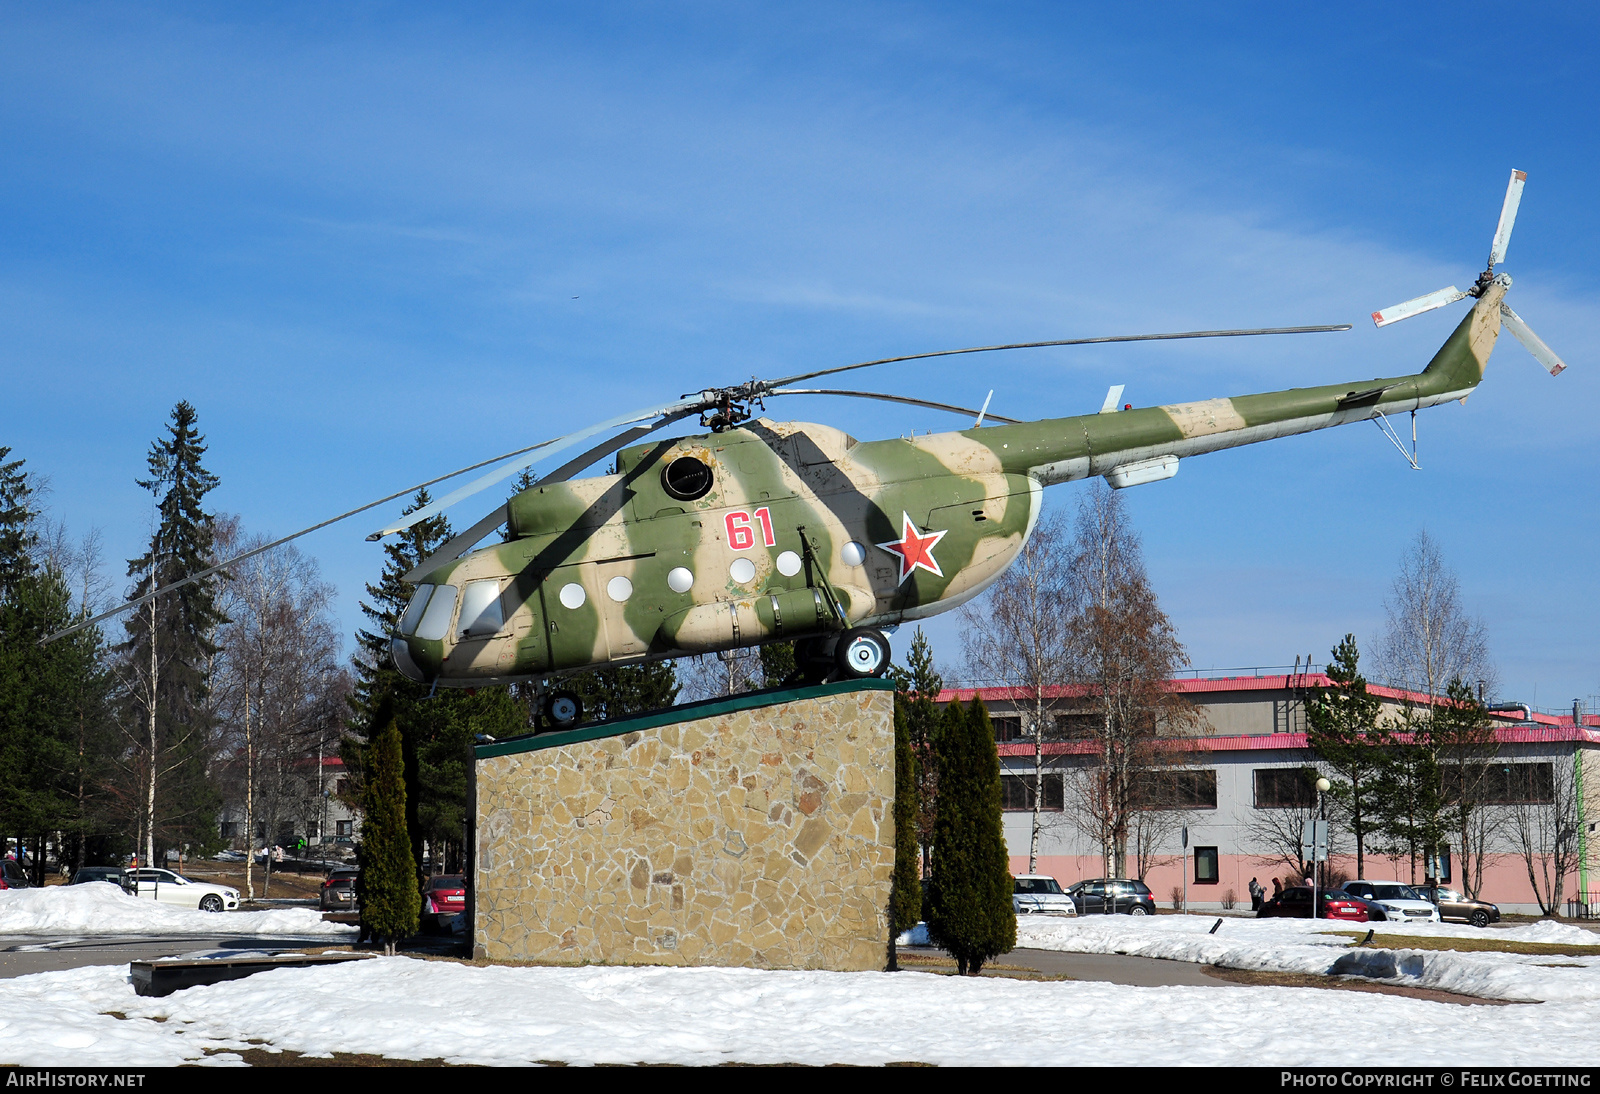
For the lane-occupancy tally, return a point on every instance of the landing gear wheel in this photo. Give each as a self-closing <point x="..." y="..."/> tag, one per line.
<point x="812" y="665"/>
<point x="562" y="709"/>
<point x="211" y="902"/>
<point x="861" y="653"/>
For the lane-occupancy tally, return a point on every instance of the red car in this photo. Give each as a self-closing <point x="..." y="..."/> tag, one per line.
<point x="1295" y="903"/>
<point x="443" y="898"/>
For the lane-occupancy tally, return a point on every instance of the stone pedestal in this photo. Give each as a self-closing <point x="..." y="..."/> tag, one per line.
<point x="754" y="831"/>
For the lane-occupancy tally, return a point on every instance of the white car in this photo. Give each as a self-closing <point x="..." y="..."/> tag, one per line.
<point x="166" y="887"/>
<point x="1400" y="902"/>
<point x="1040" y="894"/>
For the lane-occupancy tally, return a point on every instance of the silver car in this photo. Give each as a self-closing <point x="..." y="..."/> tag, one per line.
<point x="1040" y="894"/>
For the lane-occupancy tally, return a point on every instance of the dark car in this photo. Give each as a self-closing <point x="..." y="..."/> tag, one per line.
<point x="1295" y="903"/>
<point x="339" y="890"/>
<point x="1453" y="904"/>
<point x="1101" y="895"/>
<point x="443" y="898"/>
<point x="12" y="875"/>
<point x="113" y="874"/>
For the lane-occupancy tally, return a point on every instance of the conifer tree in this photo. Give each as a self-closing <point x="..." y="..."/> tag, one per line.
<point x="970" y="912"/>
<point x="905" y="899"/>
<point x="1342" y="728"/>
<point x="17" y="516"/>
<point x="169" y="645"/>
<point x="390" y="897"/>
<point x="918" y="685"/>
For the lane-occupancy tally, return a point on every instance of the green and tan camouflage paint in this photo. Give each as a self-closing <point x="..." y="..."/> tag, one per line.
<point x="979" y="487"/>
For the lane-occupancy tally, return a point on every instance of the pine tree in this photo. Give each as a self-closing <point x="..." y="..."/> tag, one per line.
<point x="905" y="899"/>
<point x="1342" y="728"/>
<point x="970" y="893"/>
<point x="17" y="516"/>
<point x="918" y="685"/>
<point x="390" y="897"/>
<point x="169" y="646"/>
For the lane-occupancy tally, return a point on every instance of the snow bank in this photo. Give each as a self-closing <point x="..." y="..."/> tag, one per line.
<point x="1306" y="946"/>
<point x="411" y="1009"/>
<point x="100" y="909"/>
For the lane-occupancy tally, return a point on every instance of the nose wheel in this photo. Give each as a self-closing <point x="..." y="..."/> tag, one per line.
<point x="562" y="709"/>
<point x="861" y="653"/>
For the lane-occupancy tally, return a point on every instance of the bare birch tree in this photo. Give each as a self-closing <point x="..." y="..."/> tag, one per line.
<point x="1544" y="825"/>
<point x="281" y="685"/>
<point x="1017" y="635"/>
<point x="1429" y="639"/>
<point x="1124" y="651"/>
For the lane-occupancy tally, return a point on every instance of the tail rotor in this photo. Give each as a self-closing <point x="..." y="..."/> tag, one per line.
<point x="1497" y="254"/>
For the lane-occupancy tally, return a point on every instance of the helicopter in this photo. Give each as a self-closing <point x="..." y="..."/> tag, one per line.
<point x="758" y="531"/>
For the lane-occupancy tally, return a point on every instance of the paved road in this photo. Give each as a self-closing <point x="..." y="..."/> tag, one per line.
<point x="22" y="956"/>
<point x="1139" y="972"/>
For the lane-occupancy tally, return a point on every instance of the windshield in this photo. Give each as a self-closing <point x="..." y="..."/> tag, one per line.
<point x="1037" y="885"/>
<point x="1396" y="892"/>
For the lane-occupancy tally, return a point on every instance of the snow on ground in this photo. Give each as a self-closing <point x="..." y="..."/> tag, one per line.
<point x="1309" y="946"/>
<point x="96" y="909"/>
<point x="413" y="1009"/>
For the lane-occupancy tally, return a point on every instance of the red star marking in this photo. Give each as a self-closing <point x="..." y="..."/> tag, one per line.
<point x="914" y="549"/>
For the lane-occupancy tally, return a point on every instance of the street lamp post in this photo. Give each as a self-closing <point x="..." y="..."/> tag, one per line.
<point x="1318" y="871"/>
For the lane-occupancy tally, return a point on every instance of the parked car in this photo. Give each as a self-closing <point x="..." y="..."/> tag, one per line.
<point x="339" y="889"/>
<point x="12" y="875"/>
<point x="1401" y="903"/>
<point x="1040" y="894"/>
<point x="113" y="874"/>
<point x="443" y="898"/>
<point x="1456" y="905"/>
<point x="1333" y="904"/>
<point x="1099" y="895"/>
<point x="166" y="887"/>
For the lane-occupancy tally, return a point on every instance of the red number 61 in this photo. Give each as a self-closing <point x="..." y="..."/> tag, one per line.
<point x="742" y="537"/>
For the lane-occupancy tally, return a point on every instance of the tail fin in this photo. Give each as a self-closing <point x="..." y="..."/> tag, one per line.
<point x="1459" y="364"/>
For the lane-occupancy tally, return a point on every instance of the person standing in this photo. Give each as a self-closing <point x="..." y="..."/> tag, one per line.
<point x="1257" y="893"/>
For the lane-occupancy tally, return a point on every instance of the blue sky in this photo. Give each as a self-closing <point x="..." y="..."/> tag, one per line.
<point x="375" y="242"/>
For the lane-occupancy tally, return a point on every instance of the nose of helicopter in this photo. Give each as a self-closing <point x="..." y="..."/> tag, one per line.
<point x="400" y="649"/>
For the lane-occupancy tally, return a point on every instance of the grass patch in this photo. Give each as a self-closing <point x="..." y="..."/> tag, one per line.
<point x="1482" y="944"/>
<point x="946" y="965"/>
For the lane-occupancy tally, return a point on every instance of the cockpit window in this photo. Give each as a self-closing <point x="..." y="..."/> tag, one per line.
<point x="413" y="613"/>
<point x="480" y="609"/>
<point x="436" y="620"/>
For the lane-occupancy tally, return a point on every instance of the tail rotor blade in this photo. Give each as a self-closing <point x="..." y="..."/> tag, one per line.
<point x="1531" y="342"/>
<point x="1508" y="217"/>
<point x="1417" y="306"/>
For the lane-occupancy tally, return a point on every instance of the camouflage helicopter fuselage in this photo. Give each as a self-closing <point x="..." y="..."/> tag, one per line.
<point x="803" y="531"/>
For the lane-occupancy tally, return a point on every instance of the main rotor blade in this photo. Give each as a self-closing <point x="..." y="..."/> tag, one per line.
<point x="459" y="545"/>
<point x="1508" y="217"/>
<point x="219" y="567"/>
<point x="548" y="448"/>
<point x="1530" y="341"/>
<point x="1417" y="305"/>
<point x="1061" y="342"/>
<point x="889" y="399"/>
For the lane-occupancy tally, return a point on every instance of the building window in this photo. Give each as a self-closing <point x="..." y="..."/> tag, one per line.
<point x="1196" y="789"/>
<point x="1006" y="729"/>
<point x="1285" y="787"/>
<point x="1016" y="793"/>
<point x="346" y="828"/>
<point x="1205" y="865"/>
<point x="230" y="829"/>
<point x="1517" y="784"/>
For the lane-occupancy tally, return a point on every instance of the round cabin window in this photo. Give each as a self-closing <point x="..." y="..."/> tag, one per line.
<point x="686" y="478"/>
